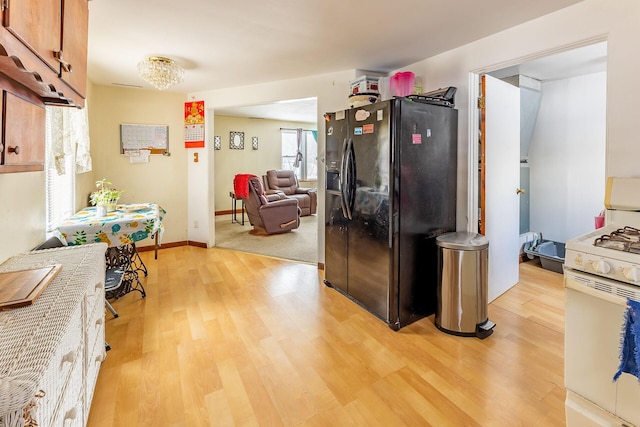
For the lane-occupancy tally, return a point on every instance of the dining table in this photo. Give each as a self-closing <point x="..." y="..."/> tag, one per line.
<point x="127" y="224"/>
<point x="120" y="230"/>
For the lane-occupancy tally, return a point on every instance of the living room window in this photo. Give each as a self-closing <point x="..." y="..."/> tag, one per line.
<point x="303" y="145"/>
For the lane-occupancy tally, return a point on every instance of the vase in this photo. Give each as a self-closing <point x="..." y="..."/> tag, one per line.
<point x="111" y="206"/>
<point x="101" y="210"/>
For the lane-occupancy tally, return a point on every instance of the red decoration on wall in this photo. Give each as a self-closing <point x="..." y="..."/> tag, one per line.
<point x="194" y="124"/>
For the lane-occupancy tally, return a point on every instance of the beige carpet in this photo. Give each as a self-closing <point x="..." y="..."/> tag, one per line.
<point x="300" y="244"/>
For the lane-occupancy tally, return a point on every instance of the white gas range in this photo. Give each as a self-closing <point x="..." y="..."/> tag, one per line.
<point x="612" y="252"/>
<point x="602" y="270"/>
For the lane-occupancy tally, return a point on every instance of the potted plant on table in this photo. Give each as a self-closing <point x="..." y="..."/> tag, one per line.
<point x="104" y="198"/>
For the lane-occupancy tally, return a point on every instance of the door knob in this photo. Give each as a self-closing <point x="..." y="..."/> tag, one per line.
<point x="521" y="191"/>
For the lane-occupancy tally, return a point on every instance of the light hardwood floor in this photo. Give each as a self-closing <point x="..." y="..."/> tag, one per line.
<point x="228" y="338"/>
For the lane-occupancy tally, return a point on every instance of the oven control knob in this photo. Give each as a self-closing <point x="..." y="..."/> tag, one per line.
<point x="601" y="266"/>
<point x="632" y="273"/>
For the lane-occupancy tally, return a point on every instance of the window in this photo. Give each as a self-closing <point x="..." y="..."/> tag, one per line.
<point x="60" y="194"/>
<point x="68" y="152"/>
<point x="308" y="166"/>
<point x="60" y="166"/>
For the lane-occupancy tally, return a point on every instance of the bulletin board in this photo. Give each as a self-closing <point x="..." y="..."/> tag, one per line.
<point x="144" y="137"/>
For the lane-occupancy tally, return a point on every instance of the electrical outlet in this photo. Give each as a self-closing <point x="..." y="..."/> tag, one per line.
<point x="196" y="224"/>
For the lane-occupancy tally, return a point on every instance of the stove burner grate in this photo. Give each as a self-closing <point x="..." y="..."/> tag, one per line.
<point x="625" y="239"/>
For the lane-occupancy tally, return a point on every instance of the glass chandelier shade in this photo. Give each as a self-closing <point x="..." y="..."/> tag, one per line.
<point x="161" y="72"/>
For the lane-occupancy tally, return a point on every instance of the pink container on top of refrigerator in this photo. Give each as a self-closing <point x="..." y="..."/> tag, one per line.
<point x="402" y="83"/>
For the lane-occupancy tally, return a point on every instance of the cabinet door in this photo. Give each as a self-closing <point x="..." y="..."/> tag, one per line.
<point x="24" y="135"/>
<point x="73" y="69"/>
<point x="37" y="24"/>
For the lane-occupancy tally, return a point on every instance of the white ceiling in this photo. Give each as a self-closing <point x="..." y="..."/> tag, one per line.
<point x="571" y="63"/>
<point x="292" y="110"/>
<point x="562" y="65"/>
<point x="226" y="44"/>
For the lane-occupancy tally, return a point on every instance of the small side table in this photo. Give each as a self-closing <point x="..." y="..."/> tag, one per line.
<point x="234" y="217"/>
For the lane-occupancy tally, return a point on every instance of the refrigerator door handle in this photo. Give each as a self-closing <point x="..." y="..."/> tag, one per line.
<point x="343" y="183"/>
<point x="349" y="187"/>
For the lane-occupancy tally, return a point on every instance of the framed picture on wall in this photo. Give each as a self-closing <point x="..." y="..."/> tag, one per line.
<point x="217" y="142"/>
<point x="236" y="140"/>
<point x="254" y="142"/>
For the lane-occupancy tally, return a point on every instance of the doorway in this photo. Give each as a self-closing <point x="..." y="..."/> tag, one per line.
<point x="562" y="151"/>
<point x="263" y="127"/>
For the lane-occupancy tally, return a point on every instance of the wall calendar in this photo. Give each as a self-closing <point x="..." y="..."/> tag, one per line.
<point x="194" y="124"/>
<point x="135" y="137"/>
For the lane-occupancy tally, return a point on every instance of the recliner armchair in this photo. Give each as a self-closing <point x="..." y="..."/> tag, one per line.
<point x="286" y="182"/>
<point x="272" y="213"/>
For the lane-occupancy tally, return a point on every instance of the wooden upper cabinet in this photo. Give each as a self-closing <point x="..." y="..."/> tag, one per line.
<point x="48" y="39"/>
<point x="43" y="61"/>
<point x="75" y="27"/>
<point x="37" y="24"/>
<point x="23" y="134"/>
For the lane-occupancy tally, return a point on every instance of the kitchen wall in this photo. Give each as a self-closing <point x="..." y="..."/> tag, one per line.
<point x="164" y="179"/>
<point x="229" y="162"/>
<point x="22" y="212"/>
<point x="567" y="157"/>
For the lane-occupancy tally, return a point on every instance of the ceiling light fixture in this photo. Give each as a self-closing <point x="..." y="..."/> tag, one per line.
<point x="161" y="72"/>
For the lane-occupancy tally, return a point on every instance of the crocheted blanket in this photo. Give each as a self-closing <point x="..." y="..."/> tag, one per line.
<point x="241" y="185"/>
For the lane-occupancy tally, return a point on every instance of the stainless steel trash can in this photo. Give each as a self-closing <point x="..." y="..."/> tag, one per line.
<point x="463" y="284"/>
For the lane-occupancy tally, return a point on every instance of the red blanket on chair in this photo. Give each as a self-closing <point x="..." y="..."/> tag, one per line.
<point x="241" y="185"/>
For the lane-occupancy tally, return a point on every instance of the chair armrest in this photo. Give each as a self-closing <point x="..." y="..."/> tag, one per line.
<point x="286" y="202"/>
<point x="279" y="193"/>
<point x="303" y="190"/>
<point x="313" y="197"/>
<point x="272" y="197"/>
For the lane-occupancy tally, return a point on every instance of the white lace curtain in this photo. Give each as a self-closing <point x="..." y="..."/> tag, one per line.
<point x="68" y="131"/>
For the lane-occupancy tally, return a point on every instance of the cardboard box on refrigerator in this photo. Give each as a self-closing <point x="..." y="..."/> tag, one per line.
<point x="363" y="84"/>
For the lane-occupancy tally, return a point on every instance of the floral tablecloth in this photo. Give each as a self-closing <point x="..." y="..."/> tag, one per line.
<point x="129" y="223"/>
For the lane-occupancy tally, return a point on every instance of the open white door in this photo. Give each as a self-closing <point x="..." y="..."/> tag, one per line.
<point x="501" y="180"/>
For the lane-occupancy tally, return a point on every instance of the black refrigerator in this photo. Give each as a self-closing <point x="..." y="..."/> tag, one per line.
<point x="391" y="172"/>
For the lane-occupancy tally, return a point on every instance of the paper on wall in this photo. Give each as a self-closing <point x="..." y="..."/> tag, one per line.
<point x="138" y="156"/>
